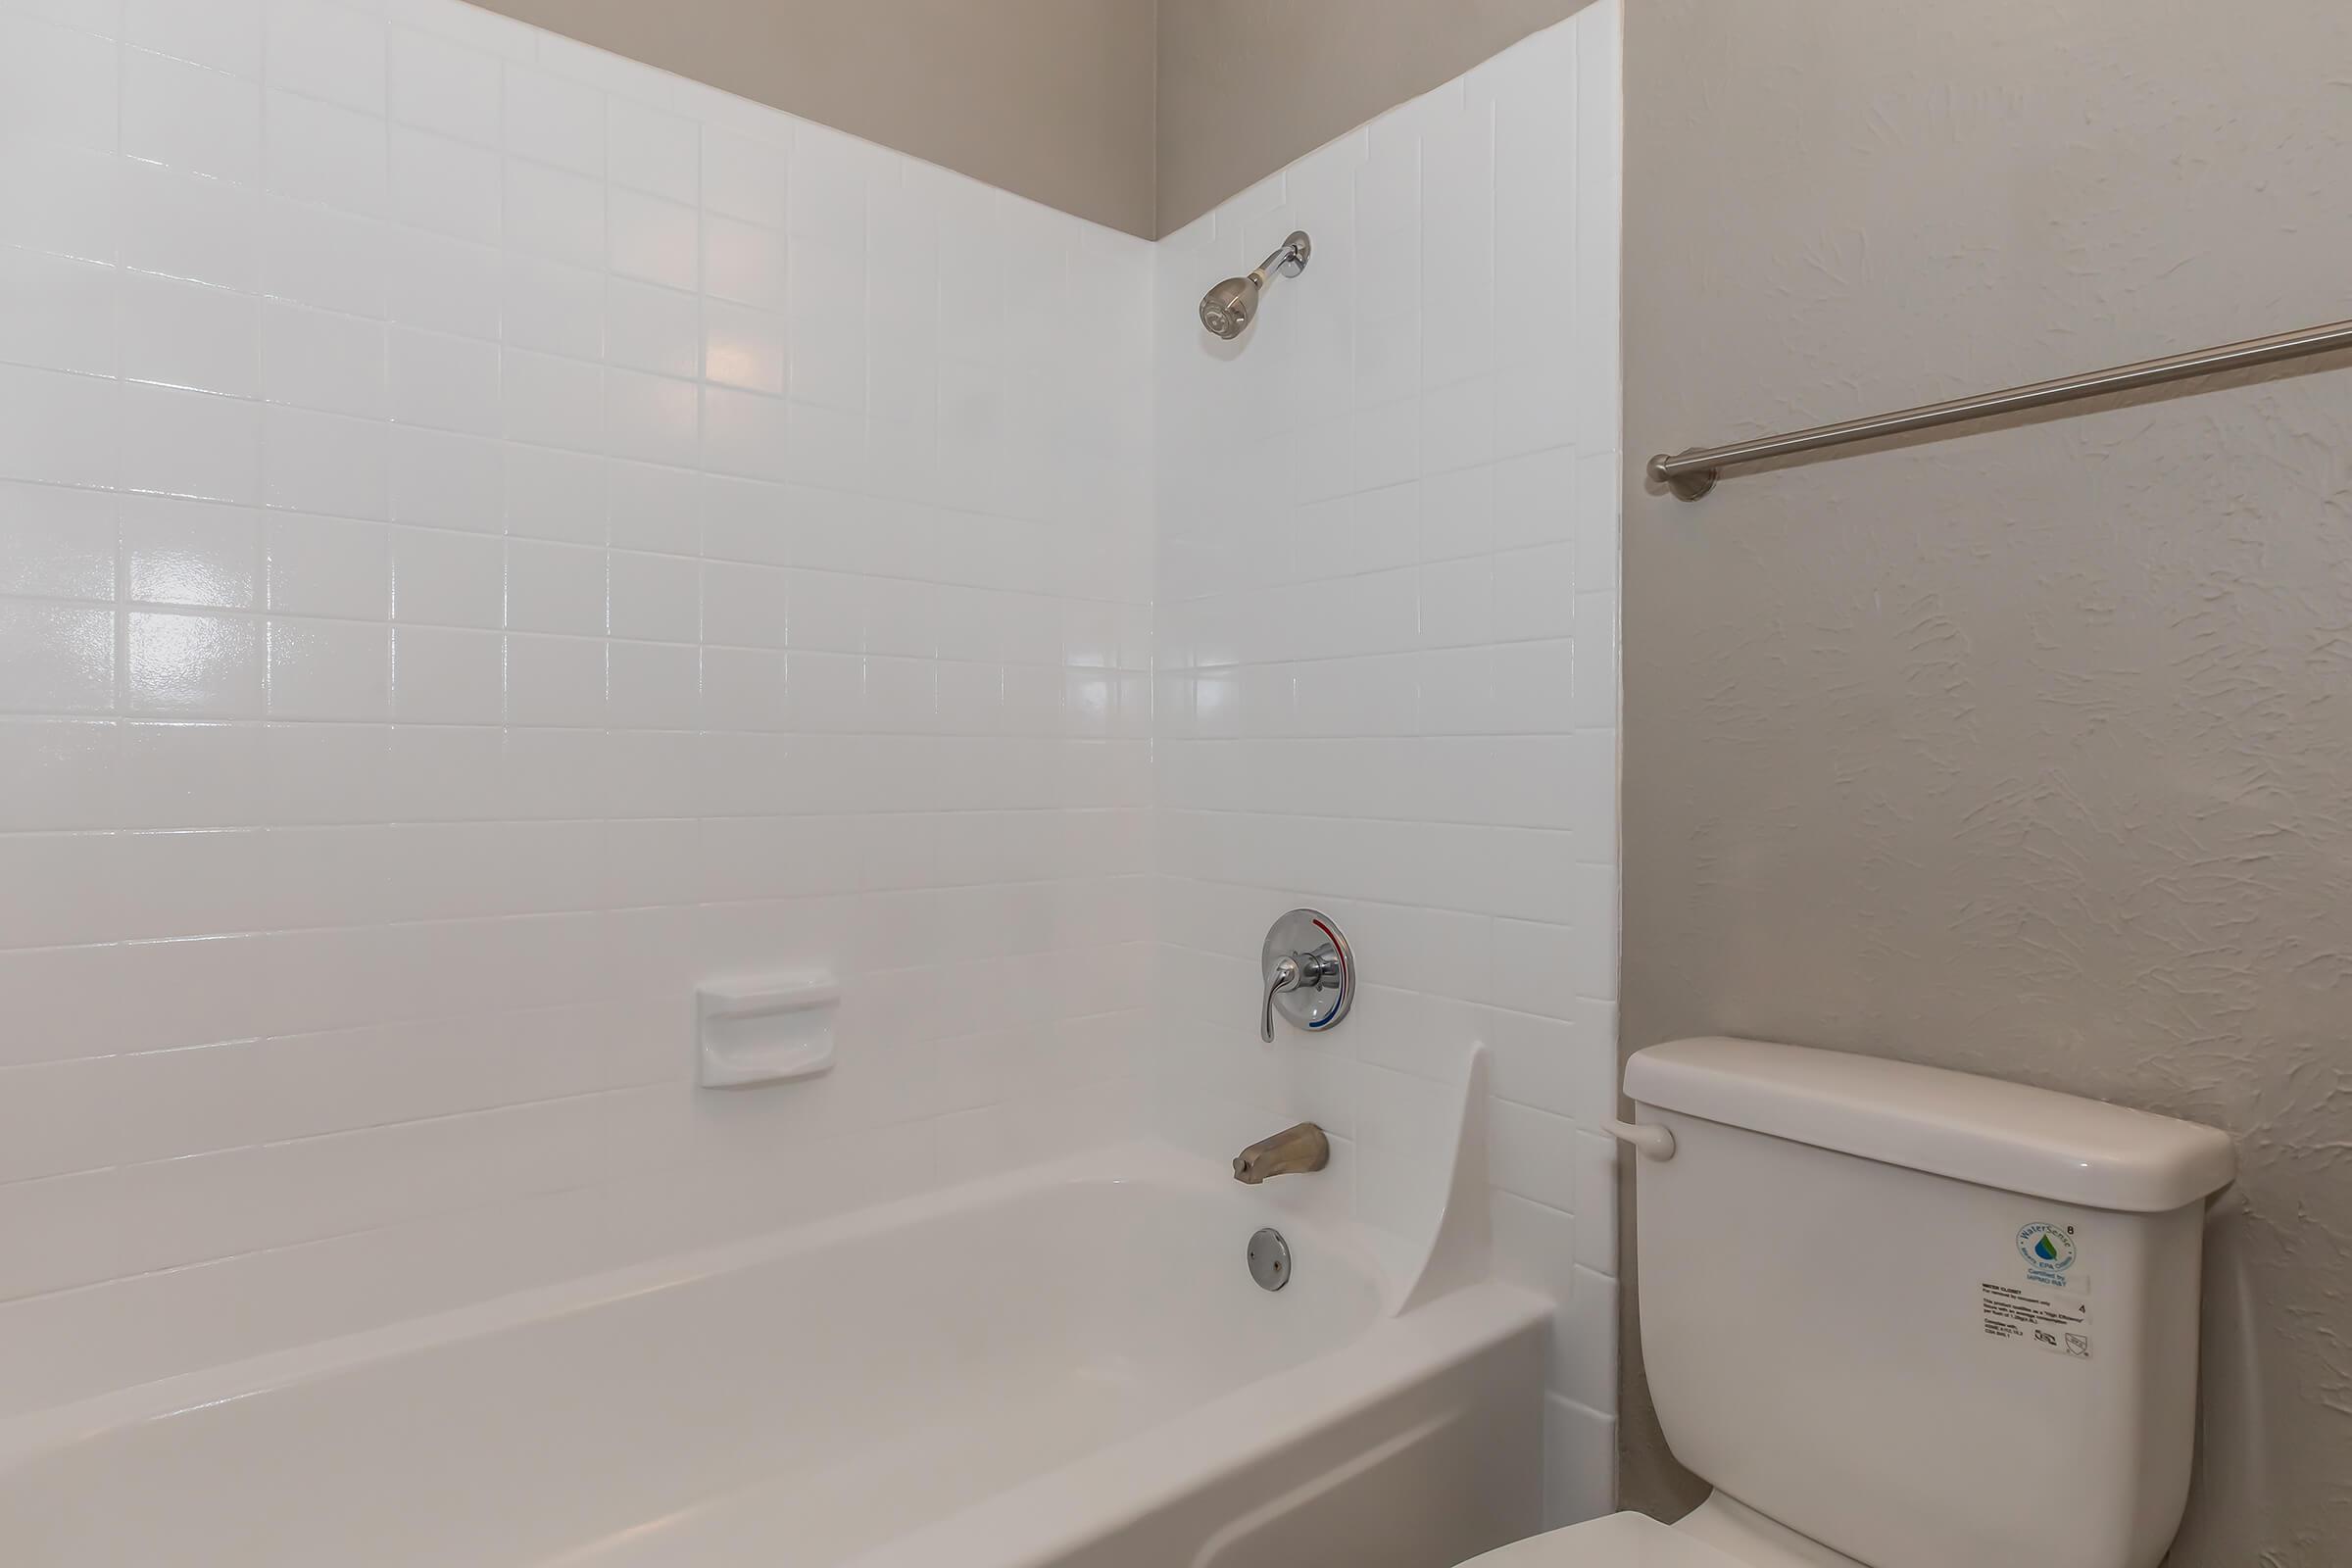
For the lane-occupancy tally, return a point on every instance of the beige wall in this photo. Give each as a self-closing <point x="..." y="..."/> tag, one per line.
<point x="2028" y="751"/>
<point x="1139" y="114"/>
<point x="1248" y="85"/>
<point x="1052" y="99"/>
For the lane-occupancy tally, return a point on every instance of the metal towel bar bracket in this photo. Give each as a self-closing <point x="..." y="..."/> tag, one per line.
<point x="1692" y="473"/>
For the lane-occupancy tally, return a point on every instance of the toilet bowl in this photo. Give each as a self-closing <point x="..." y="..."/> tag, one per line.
<point x="1906" y="1319"/>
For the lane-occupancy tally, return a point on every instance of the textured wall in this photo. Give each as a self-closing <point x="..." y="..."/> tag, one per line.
<point x="2023" y="751"/>
<point x="490" y="535"/>
<point x="1386" y="670"/>
<point x="1051" y="99"/>
<point x="1246" y="85"/>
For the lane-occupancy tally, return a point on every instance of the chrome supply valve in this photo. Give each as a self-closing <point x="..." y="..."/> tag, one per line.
<point x="1310" y="974"/>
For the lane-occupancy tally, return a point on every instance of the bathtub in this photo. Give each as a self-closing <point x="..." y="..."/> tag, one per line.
<point x="1065" y="1366"/>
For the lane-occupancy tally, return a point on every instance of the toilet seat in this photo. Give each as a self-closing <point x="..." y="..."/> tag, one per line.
<point x="1720" y="1534"/>
<point x="1620" y="1541"/>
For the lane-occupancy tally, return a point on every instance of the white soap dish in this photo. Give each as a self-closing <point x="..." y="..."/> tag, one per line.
<point x="767" y="1030"/>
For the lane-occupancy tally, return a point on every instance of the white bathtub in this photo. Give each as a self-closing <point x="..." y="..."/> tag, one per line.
<point x="1067" y="1366"/>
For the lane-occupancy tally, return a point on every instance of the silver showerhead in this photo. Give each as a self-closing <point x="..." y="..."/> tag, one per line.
<point x="1228" y="308"/>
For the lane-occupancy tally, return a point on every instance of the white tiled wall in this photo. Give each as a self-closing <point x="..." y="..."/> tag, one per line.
<point x="1386" y="674"/>
<point x="490" y="534"/>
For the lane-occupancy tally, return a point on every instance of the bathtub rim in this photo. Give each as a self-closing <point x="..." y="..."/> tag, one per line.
<point x="1050" y="1515"/>
<point x="32" y="1434"/>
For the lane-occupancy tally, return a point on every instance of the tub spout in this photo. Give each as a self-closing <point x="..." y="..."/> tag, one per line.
<point x="1287" y="1152"/>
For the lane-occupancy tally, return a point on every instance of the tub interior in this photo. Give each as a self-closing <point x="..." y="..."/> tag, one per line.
<point x="842" y="1390"/>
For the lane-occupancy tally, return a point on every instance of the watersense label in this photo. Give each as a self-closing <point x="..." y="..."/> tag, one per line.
<point x="2046" y="1304"/>
<point x="2049" y="1252"/>
<point x="2025" y="1316"/>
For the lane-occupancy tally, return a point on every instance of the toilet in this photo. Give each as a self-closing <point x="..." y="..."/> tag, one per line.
<point x="1899" y="1317"/>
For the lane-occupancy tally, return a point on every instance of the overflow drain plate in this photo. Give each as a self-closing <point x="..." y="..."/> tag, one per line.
<point x="1269" y="1259"/>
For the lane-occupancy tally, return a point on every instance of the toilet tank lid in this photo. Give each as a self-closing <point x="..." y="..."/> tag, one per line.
<point x="1971" y="1129"/>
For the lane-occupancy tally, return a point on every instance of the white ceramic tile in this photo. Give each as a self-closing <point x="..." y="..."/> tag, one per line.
<point x="326" y="462"/>
<point x="827" y="317"/>
<point x="191" y="775"/>
<point x="443" y="480"/>
<point x="187" y="335"/>
<point x="743" y="263"/>
<point x="744" y="178"/>
<point x="743" y="348"/>
<point x="446" y="579"/>
<point x="651" y="328"/>
<point x="191" y="553"/>
<point x="443" y="284"/>
<point x="556" y="681"/>
<point x="555" y="495"/>
<point x="451" y="187"/>
<point x="1597" y="1179"/>
<point x="323" y="361"/>
<point x="555" y="588"/>
<point x="553" y="121"/>
<point x="444" y="676"/>
<point x="554" y="213"/>
<point x="319" y="257"/>
<point x="327" y="50"/>
<point x="194" y="444"/>
<point x="598" y="68"/>
<point x="57" y="775"/>
<point x="653" y="240"/>
<point x="1579" y="1463"/>
<point x="654" y="151"/>
<point x="656" y="508"/>
<point x="323" y="152"/>
<point x="327" y="566"/>
<point x="186" y="226"/>
<point x="469" y="24"/>
<point x="57" y="543"/>
<point x="828" y="179"/>
<point x="654" y="597"/>
<point x="101" y="18"/>
<point x="1534" y="1153"/>
<point x="59" y="428"/>
<point x="744" y="434"/>
<point x="651" y="419"/>
<point x="56" y="82"/>
<point x="189" y="117"/>
<point x="443" y="86"/>
<point x="551" y="401"/>
<point x="60" y="197"/>
<point x="57" y="313"/>
<point x="55" y="659"/>
<point x="553" y="308"/>
<point x="225" y="34"/>
<point x="445" y="382"/>
<point x="193" y="665"/>
<point x="330" y="670"/>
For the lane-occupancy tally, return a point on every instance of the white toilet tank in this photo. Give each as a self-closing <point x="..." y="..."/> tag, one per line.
<point x="1928" y="1320"/>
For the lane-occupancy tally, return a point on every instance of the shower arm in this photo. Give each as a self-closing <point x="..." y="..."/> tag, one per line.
<point x="1289" y="259"/>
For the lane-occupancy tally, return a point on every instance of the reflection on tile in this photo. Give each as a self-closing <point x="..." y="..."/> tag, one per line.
<point x="197" y="664"/>
<point x="190" y="553"/>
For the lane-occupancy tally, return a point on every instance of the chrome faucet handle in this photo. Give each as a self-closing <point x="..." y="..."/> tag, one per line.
<point x="1309" y="971"/>
<point x="1286" y="976"/>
